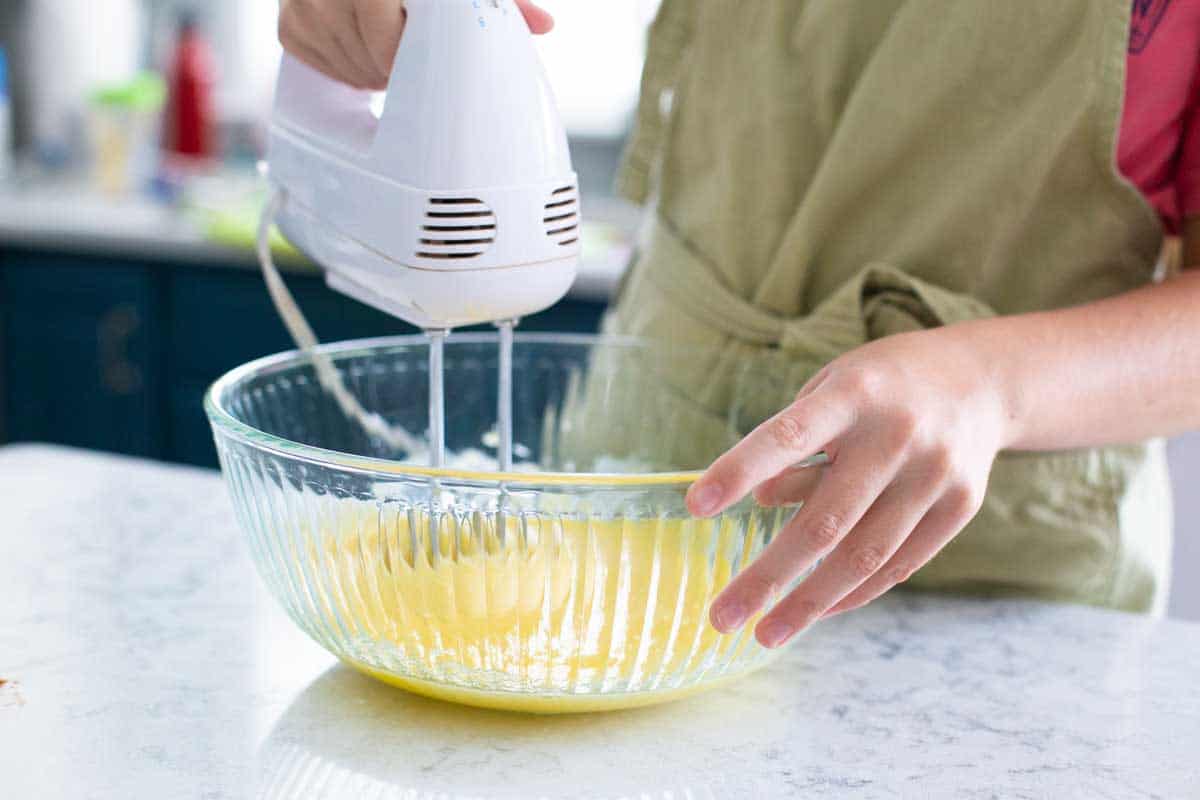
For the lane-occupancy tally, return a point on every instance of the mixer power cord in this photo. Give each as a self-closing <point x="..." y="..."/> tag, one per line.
<point x="328" y="376"/>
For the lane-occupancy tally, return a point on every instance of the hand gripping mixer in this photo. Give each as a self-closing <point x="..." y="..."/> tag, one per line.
<point x="456" y="205"/>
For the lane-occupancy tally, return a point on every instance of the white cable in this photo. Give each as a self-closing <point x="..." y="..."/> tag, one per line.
<point x="302" y="333"/>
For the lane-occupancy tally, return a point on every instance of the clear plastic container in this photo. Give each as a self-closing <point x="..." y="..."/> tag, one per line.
<point x="576" y="582"/>
<point x="125" y="122"/>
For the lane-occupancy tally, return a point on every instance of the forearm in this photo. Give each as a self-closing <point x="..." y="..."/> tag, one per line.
<point x="1119" y="370"/>
<point x="911" y="425"/>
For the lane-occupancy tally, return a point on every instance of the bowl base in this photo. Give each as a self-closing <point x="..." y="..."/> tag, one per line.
<point x="548" y="704"/>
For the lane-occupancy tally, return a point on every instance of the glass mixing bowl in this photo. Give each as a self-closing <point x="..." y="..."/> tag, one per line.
<point x="577" y="581"/>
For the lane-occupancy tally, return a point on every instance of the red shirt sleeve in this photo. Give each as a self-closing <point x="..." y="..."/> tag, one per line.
<point x="1159" y="149"/>
<point x="1187" y="174"/>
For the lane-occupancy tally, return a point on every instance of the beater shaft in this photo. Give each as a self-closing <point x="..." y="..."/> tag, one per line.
<point x="437" y="397"/>
<point x="504" y="401"/>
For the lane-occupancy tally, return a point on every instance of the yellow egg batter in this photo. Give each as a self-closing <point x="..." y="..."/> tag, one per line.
<point x="556" y="615"/>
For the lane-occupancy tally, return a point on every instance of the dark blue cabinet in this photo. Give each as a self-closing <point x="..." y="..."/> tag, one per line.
<point x="218" y="318"/>
<point x="116" y="354"/>
<point x="79" y="354"/>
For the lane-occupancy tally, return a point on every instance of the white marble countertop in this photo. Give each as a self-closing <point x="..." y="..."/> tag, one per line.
<point x="144" y="660"/>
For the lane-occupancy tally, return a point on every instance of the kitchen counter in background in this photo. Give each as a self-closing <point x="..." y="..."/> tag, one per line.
<point x="116" y="316"/>
<point x="144" y="660"/>
<point x="65" y="218"/>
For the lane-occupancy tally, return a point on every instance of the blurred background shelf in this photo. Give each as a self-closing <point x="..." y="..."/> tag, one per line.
<point x="128" y="281"/>
<point x="115" y="354"/>
<point x="113" y="351"/>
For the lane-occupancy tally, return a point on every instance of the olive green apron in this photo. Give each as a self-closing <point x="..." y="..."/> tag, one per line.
<point x="828" y="173"/>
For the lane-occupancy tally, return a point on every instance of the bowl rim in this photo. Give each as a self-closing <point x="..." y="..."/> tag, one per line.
<point x="224" y="422"/>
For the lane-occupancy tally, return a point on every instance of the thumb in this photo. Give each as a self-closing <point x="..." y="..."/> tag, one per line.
<point x="538" y="19"/>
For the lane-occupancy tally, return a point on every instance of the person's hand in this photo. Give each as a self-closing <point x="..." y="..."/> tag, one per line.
<point x="911" y="425"/>
<point x="355" y="41"/>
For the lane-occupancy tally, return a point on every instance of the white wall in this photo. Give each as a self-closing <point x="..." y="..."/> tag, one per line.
<point x="1185" y="472"/>
<point x="68" y="49"/>
<point x="594" y="61"/>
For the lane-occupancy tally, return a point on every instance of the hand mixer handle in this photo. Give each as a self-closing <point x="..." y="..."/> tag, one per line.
<point x="463" y="66"/>
<point x="339" y="116"/>
<point x="321" y="108"/>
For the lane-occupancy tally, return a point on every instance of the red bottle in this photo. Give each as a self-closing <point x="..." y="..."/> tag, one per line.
<point x="188" y="128"/>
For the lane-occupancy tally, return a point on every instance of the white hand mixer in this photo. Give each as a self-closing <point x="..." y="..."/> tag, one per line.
<point x="457" y="205"/>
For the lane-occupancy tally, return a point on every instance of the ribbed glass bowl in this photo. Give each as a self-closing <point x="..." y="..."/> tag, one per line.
<point x="577" y="581"/>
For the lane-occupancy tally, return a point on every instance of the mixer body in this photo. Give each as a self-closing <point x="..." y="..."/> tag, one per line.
<point x="457" y="204"/>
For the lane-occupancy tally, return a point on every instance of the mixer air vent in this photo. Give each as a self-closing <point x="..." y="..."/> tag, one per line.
<point x="456" y="228"/>
<point x="562" y="216"/>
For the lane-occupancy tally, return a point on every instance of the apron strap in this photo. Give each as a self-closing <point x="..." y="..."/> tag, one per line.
<point x="689" y="280"/>
<point x="880" y="300"/>
<point x="667" y="49"/>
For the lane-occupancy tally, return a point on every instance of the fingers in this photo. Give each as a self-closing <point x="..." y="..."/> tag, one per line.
<point x="538" y="19"/>
<point x="322" y="35"/>
<point x="857" y="559"/>
<point x="838" y="502"/>
<point x="295" y="37"/>
<point x="380" y="25"/>
<point x="796" y="433"/>
<point x="354" y="66"/>
<point x="355" y="42"/>
<point x="940" y="524"/>
<point x="311" y="56"/>
<point x="342" y="24"/>
<point x="790" y="487"/>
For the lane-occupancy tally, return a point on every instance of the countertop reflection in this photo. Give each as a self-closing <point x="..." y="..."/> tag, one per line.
<point x="349" y="736"/>
<point x="141" y="658"/>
